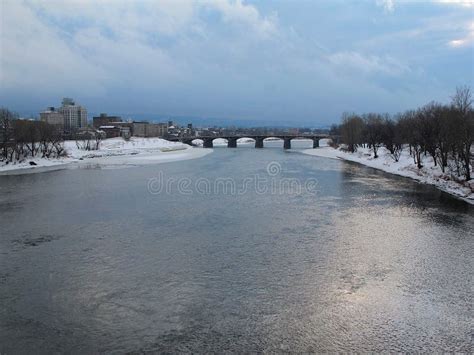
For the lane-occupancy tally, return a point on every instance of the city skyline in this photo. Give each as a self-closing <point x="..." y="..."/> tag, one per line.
<point x="235" y="62"/>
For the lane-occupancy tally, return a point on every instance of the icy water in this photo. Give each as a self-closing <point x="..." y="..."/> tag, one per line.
<point x="96" y="260"/>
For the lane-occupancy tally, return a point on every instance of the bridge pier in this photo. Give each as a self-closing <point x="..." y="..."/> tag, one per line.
<point x="258" y="142"/>
<point x="287" y="143"/>
<point x="207" y="143"/>
<point x="315" y="143"/>
<point x="231" y="142"/>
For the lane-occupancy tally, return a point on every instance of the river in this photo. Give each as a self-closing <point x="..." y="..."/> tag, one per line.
<point x="128" y="260"/>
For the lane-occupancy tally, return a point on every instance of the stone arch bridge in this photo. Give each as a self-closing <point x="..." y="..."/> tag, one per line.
<point x="232" y="140"/>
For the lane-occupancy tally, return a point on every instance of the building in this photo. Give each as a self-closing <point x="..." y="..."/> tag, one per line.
<point x="110" y="131"/>
<point x="173" y="130"/>
<point x="139" y="128"/>
<point x="105" y="120"/>
<point x="52" y="117"/>
<point x="118" y="130"/>
<point x="146" y="129"/>
<point x="156" y="129"/>
<point x="75" y="116"/>
<point x="125" y="132"/>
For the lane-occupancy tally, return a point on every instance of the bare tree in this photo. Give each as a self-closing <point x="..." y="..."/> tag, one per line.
<point x="392" y="138"/>
<point x="97" y="140"/>
<point x="429" y="128"/>
<point x="45" y="136"/>
<point x="464" y="117"/>
<point x="20" y="139"/>
<point x="462" y="99"/>
<point x="410" y="131"/>
<point x="374" y="125"/>
<point x="444" y="132"/>
<point x="89" y="141"/>
<point x="7" y="119"/>
<point x="351" y="130"/>
<point x="57" y="142"/>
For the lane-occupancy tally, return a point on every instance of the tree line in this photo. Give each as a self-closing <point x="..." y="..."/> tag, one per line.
<point x="443" y="132"/>
<point x="21" y="139"/>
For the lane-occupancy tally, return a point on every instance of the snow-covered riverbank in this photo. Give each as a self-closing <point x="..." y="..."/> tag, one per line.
<point x="113" y="152"/>
<point x="429" y="174"/>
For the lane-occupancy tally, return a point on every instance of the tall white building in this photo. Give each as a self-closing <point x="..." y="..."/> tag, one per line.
<point x="75" y="116"/>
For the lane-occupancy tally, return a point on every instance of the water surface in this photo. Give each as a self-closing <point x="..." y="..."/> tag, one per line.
<point x="91" y="261"/>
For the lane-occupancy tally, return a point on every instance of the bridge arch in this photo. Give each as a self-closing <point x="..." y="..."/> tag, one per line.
<point x="313" y="142"/>
<point x="245" y="140"/>
<point x="242" y="141"/>
<point x="210" y="142"/>
<point x="232" y="141"/>
<point x="220" y="141"/>
<point x="196" y="141"/>
<point x="326" y="142"/>
<point x="267" y="141"/>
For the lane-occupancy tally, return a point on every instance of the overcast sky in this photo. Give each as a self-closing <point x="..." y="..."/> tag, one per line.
<point x="281" y="61"/>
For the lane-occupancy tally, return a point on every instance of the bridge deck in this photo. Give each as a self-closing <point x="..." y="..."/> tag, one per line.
<point x="232" y="139"/>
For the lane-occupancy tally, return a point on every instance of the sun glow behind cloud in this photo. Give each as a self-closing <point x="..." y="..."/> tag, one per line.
<point x="468" y="40"/>
<point x="457" y="42"/>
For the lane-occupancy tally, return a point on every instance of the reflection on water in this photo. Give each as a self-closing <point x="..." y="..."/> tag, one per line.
<point x="90" y="261"/>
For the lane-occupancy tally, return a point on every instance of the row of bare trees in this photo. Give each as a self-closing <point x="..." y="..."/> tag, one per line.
<point x="21" y="139"/>
<point x="444" y="132"/>
<point x="89" y="141"/>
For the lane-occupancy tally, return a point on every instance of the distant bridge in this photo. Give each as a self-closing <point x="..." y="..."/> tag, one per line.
<point x="232" y="140"/>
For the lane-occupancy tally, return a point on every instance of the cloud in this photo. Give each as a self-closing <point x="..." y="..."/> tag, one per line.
<point x="225" y="58"/>
<point x="367" y="64"/>
<point x="387" y="5"/>
<point x="465" y="3"/>
<point x="244" y="14"/>
<point x="35" y="57"/>
<point x="467" y="40"/>
<point x="457" y="42"/>
<point x="100" y="44"/>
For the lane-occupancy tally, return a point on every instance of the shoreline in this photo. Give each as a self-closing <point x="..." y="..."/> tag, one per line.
<point x="428" y="175"/>
<point x="114" y="153"/>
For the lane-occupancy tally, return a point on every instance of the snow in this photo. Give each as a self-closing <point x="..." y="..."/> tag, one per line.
<point x="113" y="152"/>
<point x="429" y="174"/>
<point x="25" y="167"/>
